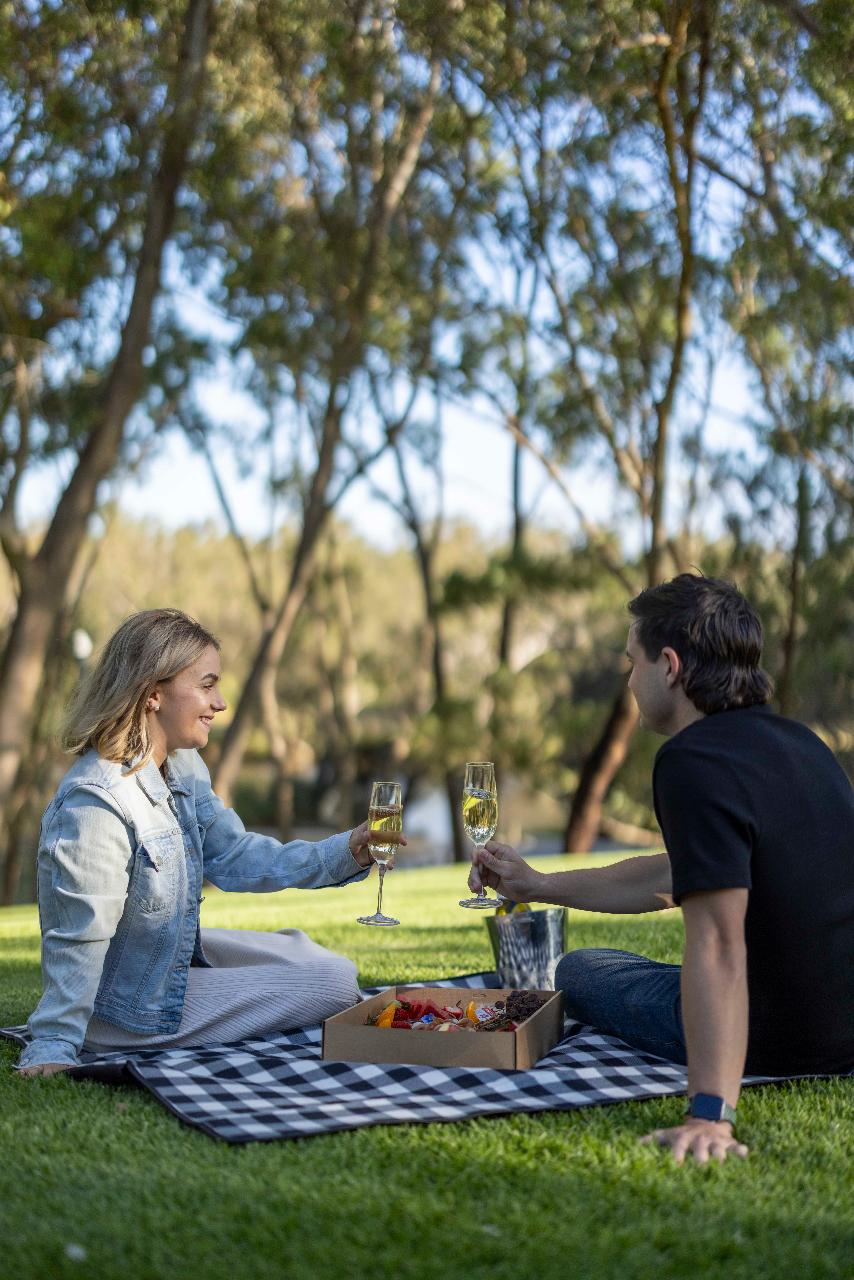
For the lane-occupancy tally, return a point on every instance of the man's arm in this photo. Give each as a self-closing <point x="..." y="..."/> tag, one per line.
<point x="630" y="887"/>
<point x="714" y="1015"/>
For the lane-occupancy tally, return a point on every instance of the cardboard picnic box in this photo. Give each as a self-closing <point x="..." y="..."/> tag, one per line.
<point x="348" y="1038"/>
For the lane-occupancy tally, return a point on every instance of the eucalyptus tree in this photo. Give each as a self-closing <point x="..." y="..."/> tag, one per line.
<point x="629" y="139"/>
<point x="99" y="112"/>
<point x="337" y="155"/>
<point x="791" y="295"/>
<point x="603" y="134"/>
<point x="798" y="467"/>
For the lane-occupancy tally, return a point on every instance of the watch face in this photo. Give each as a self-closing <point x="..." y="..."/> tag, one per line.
<point x="705" y="1106"/>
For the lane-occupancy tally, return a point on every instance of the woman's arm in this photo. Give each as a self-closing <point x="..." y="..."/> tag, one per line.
<point x="85" y="860"/>
<point x="242" y="861"/>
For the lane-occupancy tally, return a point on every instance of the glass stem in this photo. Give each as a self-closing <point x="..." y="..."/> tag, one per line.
<point x="481" y="893"/>
<point x="381" y="869"/>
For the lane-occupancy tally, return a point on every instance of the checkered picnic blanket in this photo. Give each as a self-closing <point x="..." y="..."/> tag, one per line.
<point x="279" y="1087"/>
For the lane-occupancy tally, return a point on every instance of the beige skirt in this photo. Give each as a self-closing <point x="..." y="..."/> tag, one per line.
<point x="260" y="983"/>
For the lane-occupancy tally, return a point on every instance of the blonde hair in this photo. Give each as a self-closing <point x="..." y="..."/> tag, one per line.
<point x="108" y="709"/>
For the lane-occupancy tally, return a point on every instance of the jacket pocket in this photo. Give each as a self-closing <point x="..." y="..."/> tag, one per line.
<point x="205" y="815"/>
<point x="156" y="871"/>
<point x="143" y="952"/>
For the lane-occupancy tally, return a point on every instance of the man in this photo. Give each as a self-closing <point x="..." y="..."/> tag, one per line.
<point x="758" y="822"/>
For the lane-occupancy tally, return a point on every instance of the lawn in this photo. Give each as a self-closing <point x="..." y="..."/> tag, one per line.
<point x="103" y="1182"/>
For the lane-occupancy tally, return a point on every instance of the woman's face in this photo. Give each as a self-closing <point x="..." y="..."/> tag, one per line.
<point x="181" y="710"/>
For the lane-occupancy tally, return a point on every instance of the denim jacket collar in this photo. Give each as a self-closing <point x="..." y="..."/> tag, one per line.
<point x="151" y="780"/>
<point x="176" y="781"/>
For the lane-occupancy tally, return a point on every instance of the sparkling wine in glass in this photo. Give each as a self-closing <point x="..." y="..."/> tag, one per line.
<point x="480" y="817"/>
<point x="384" y="815"/>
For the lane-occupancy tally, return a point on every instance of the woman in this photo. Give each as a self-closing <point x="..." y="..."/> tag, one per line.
<point x="125" y="844"/>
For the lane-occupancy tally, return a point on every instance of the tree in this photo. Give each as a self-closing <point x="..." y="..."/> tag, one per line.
<point x="790" y="301"/>
<point x="333" y="171"/>
<point x="629" y="156"/>
<point x="71" y="112"/>
<point x="596" y="139"/>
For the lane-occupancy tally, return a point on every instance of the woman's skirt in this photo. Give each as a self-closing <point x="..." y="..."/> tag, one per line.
<point x="260" y="983"/>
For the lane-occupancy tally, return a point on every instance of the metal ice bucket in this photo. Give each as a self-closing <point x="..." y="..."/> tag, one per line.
<point x="527" y="946"/>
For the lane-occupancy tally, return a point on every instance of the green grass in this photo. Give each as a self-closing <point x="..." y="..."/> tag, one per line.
<point x="556" y="1195"/>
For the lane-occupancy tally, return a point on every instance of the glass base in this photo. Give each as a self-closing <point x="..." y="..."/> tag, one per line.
<point x="377" y="918"/>
<point x="481" y="902"/>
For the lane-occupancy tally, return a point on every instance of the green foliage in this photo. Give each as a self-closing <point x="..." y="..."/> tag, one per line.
<point x="520" y="576"/>
<point x="82" y="96"/>
<point x="581" y="173"/>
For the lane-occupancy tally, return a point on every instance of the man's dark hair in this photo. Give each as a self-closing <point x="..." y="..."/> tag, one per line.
<point x="717" y="635"/>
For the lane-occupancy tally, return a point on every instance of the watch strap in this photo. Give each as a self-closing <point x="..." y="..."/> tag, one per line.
<point x="708" y="1106"/>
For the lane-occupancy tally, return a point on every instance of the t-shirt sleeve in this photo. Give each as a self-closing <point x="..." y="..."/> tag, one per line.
<point x="705" y="818"/>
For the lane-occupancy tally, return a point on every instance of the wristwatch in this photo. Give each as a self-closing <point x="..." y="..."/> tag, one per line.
<point x="707" y="1106"/>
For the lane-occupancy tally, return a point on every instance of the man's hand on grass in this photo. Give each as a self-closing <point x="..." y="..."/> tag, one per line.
<point x="703" y="1139"/>
<point x="44" y="1069"/>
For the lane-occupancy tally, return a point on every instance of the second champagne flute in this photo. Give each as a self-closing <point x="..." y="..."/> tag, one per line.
<point x="385" y="814"/>
<point x="480" y="817"/>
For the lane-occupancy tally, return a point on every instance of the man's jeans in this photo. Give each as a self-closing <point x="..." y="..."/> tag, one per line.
<point x="625" y="995"/>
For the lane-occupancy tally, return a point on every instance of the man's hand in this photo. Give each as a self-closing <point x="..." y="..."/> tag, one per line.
<point x="703" y="1139"/>
<point x="44" y="1069"/>
<point x="500" y="867"/>
<point x="359" y="845"/>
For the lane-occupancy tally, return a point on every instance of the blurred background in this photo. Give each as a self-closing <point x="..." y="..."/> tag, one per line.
<point x="401" y="344"/>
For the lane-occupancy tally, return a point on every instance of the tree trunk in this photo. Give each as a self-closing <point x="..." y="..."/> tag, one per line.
<point x="25" y="795"/>
<point x="501" y="710"/>
<point x="30" y="791"/>
<point x="21" y="673"/>
<point x="44" y="580"/>
<point x="598" y="772"/>
<point x="799" y="552"/>
<point x="274" y="638"/>
<point x="610" y="751"/>
<point x="278" y="745"/>
<point x="454" y="793"/>
<point x="453" y="783"/>
<point x="510" y="606"/>
<point x="388" y="190"/>
<point x="424" y="555"/>
<point x="345" y="690"/>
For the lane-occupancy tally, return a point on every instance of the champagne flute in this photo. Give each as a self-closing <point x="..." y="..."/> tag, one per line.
<point x="480" y="817"/>
<point x="385" y="814"/>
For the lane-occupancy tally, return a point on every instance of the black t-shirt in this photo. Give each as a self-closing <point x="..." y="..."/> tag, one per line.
<point x="746" y="799"/>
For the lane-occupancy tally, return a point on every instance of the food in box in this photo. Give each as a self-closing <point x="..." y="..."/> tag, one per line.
<point x="357" y="1034"/>
<point x="477" y="1015"/>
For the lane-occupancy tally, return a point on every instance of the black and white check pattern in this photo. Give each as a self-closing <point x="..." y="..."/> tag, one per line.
<point x="259" y="1090"/>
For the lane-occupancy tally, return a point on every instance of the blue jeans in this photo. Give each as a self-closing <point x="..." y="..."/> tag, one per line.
<point x="625" y="995"/>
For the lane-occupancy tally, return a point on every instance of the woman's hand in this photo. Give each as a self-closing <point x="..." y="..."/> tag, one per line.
<point x="359" y="844"/>
<point x="500" y="867"/>
<point x="44" y="1069"/>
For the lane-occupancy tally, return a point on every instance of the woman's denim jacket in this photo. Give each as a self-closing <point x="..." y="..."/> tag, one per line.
<point x="121" y="862"/>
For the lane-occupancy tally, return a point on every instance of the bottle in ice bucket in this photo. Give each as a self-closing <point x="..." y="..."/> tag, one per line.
<point x="527" y="944"/>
